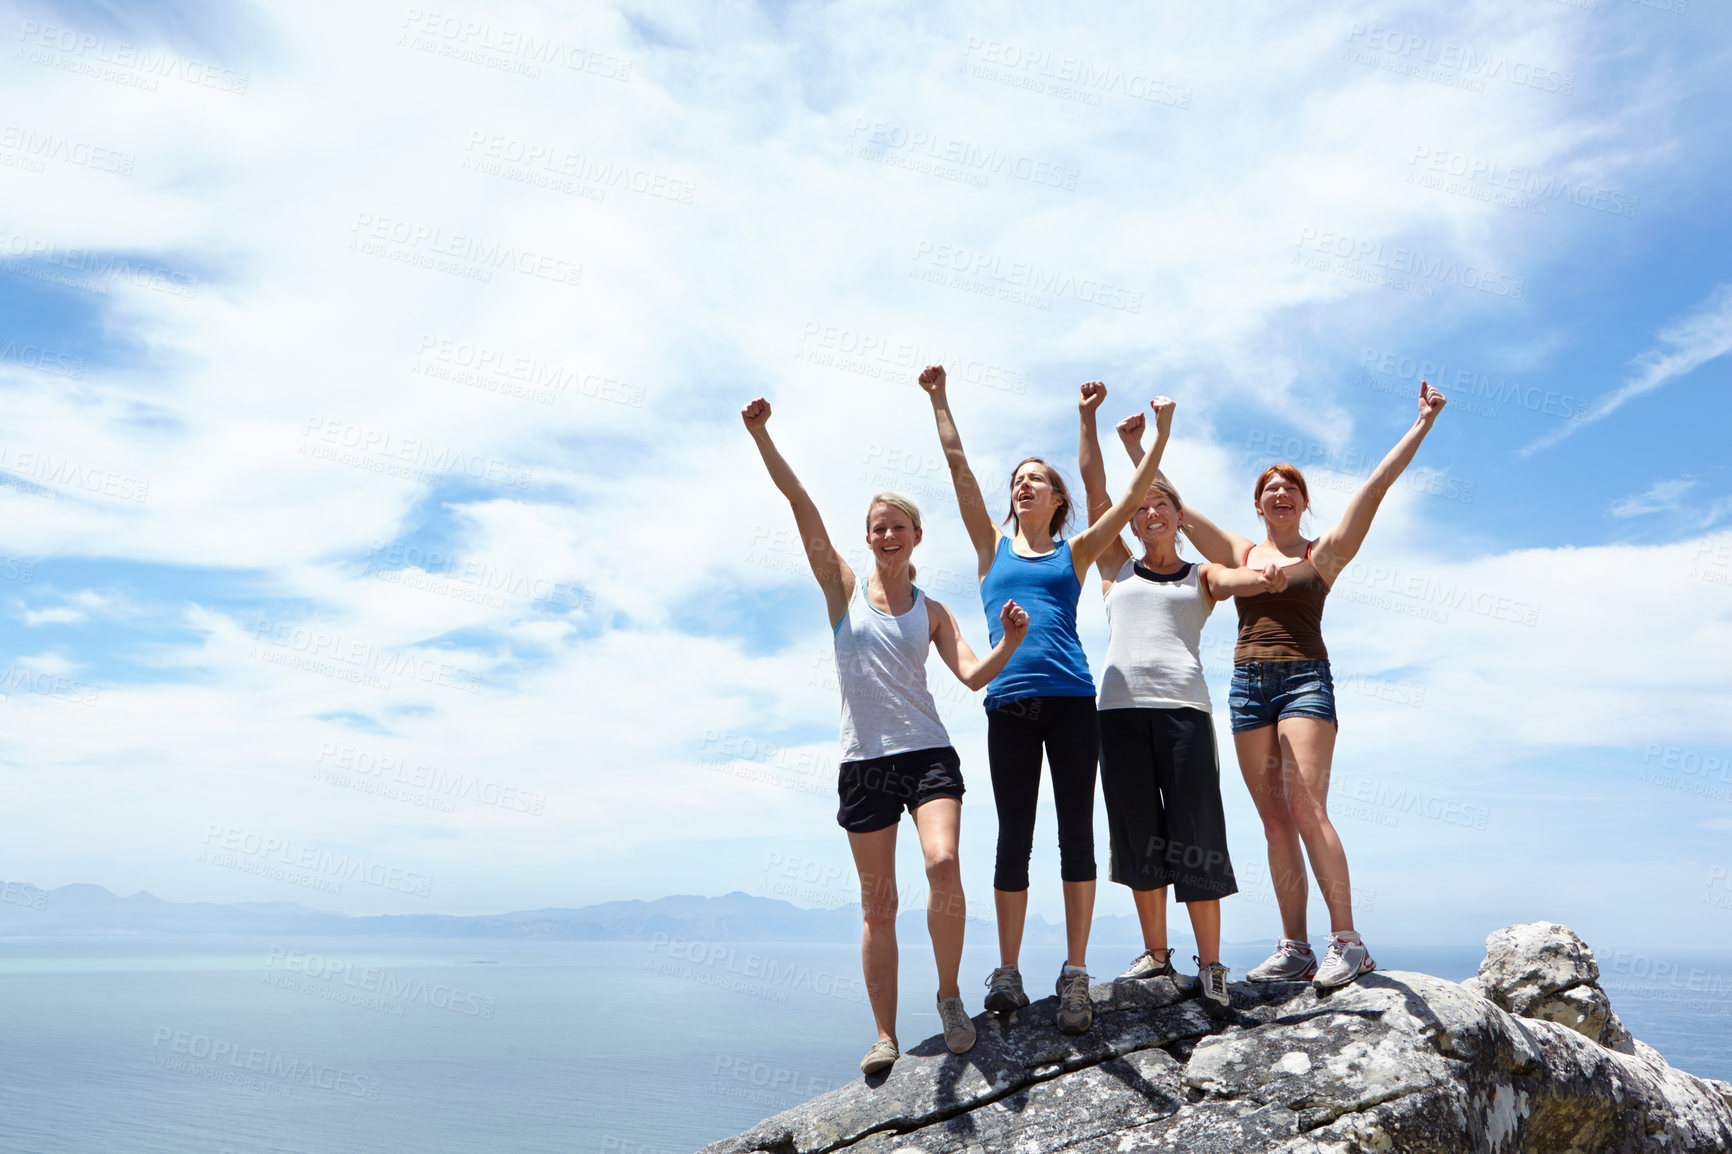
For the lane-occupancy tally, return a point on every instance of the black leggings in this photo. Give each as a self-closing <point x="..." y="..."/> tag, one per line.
<point x="1015" y="734"/>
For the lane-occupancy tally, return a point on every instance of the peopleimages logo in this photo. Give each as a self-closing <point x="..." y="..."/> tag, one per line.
<point x="334" y="973"/>
<point x="225" y="1060"/>
<point x="225" y="844"/>
<point x="1410" y="262"/>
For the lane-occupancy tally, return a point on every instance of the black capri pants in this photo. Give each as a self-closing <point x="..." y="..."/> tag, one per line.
<point x="1162" y="783"/>
<point x="1015" y="736"/>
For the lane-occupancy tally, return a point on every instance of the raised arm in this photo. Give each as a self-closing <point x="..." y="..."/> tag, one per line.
<point x="981" y="529"/>
<point x="1093" y="541"/>
<point x="1094" y="476"/>
<point x="1212" y="541"/>
<point x="953" y="647"/>
<point x="1341" y="543"/>
<point x="833" y="575"/>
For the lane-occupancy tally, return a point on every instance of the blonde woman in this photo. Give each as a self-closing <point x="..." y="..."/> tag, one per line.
<point x="896" y="754"/>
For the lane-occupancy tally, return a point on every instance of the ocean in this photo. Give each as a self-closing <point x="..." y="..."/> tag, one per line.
<point x="230" y="1045"/>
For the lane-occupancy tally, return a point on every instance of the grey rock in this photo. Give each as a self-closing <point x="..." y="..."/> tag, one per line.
<point x="1395" y="1062"/>
<point x="1543" y="970"/>
<point x="1059" y="1113"/>
<point x="929" y="1084"/>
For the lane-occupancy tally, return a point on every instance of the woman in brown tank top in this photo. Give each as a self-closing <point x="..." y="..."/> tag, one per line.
<point x="1283" y="700"/>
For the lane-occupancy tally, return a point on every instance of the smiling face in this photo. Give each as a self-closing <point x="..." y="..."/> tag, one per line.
<point x="1281" y="496"/>
<point x="891" y="534"/>
<point x="1157" y="520"/>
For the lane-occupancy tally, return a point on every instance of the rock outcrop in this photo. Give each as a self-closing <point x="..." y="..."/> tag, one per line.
<point x="1527" y="1057"/>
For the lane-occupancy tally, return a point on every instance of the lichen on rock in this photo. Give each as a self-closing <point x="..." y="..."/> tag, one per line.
<point x="1528" y="1057"/>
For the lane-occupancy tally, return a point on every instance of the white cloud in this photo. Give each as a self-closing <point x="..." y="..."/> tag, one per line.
<point x="1659" y="496"/>
<point x="644" y="490"/>
<point x="1684" y="345"/>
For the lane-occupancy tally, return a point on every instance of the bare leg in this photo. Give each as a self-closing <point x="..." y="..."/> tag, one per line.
<point x="939" y="822"/>
<point x="1206" y="925"/>
<point x="1260" y="761"/>
<point x="1079" y="914"/>
<point x="1308" y="748"/>
<point x="1152" y="916"/>
<point x="1012" y="910"/>
<point x="875" y="861"/>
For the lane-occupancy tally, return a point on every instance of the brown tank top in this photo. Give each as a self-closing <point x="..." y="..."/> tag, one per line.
<point x="1284" y="626"/>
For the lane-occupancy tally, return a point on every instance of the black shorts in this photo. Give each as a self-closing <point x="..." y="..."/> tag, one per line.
<point x="1162" y="784"/>
<point x="875" y="791"/>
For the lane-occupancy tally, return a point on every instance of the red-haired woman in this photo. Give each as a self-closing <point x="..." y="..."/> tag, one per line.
<point x="1045" y="696"/>
<point x="1283" y="698"/>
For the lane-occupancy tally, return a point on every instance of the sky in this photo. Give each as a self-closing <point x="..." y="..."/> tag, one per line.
<point x="374" y="491"/>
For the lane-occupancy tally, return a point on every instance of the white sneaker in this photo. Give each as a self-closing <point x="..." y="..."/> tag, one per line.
<point x="1345" y="961"/>
<point x="1291" y="962"/>
<point x="958" y="1030"/>
<point x="1150" y="964"/>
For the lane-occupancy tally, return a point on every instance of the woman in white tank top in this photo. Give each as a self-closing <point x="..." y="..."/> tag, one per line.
<point x="895" y="752"/>
<point x="1160" y="775"/>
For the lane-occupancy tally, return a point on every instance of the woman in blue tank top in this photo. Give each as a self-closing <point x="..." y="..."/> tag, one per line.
<point x="1045" y="697"/>
<point x="895" y="750"/>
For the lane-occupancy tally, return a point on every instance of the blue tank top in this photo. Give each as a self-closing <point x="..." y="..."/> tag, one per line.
<point x="1050" y="661"/>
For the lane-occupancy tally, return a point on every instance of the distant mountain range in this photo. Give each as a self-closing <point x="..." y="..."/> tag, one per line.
<point x="27" y="911"/>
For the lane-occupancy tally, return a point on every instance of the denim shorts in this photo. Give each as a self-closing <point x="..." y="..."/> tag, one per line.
<point x="1263" y="692"/>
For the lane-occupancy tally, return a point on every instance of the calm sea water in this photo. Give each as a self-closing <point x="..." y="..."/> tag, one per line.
<point x="357" y="1046"/>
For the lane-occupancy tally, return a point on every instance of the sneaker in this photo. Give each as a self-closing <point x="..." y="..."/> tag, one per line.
<point x="1151" y="964"/>
<point x="1004" y="991"/>
<point x="1075" y="1012"/>
<point x="958" y="1030"/>
<point x="1345" y="961"/>
<point x="881" y="1056"/>
<point x="1212" y="985"/>
<point x="1291" y="962"/>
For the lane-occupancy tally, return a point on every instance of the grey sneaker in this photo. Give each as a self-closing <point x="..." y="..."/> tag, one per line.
<point x="1075" y="1012"/>
<point x="1004" y="991"/>
<point x="1212" y="985"/>
<point x="958" y="1030"/>
<point x="881" y="1056"/>
<point x="1345" y="961"/>
<point x="1151" y="964"/>
<point x="1291" y="962"/>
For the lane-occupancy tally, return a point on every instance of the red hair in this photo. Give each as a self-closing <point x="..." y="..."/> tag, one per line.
<point x="1291" y="472"/>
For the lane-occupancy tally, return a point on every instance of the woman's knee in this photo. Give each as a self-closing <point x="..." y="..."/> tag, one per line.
<point x="942" y="868"/>
<point x="1307" y="813"/>
<point x="879" y="910"/>
<point x="1278" y="820"/>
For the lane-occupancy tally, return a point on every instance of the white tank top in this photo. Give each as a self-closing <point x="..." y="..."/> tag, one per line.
<point x="881" y="668"/>
<point x="1153" y="630"/>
